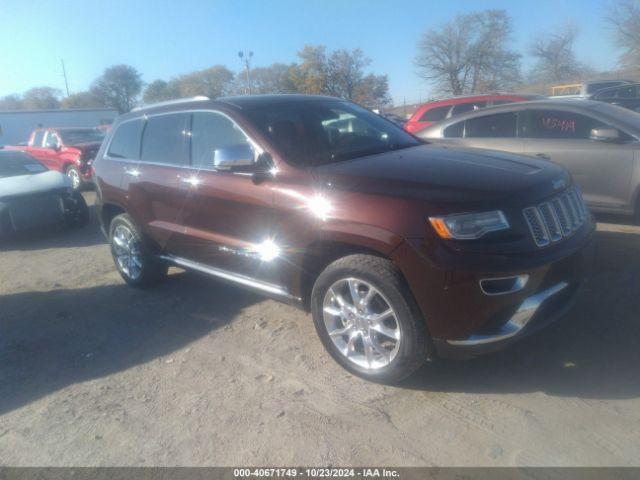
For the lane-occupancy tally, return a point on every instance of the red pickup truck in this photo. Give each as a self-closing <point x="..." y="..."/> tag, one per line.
<point x="67" y="150"/>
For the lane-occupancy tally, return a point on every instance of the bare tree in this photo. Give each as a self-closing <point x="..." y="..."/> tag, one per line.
<point x="556" y="60"/>
<point x="275" y="78"/>
<point x="469" y="54"/>
<point x="11" y="102"/>
<point x="341" y="74"/>
<point x="160" y="90"/>
<point x="212" y="82"/>
<point x="118" y="87"/>
<point x="41" y="98"/>
<point x="82" y="100"/>
<point x="625" y="20"/>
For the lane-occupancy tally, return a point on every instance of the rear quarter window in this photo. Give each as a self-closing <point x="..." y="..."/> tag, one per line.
<point x="467" y="107"/>
<point x="126" y="140"/>
<point x="435" y="114"/>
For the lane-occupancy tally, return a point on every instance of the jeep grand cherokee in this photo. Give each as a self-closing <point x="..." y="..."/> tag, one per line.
<point x="401" y="250"/>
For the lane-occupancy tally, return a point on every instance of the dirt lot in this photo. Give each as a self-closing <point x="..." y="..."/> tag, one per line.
<point x="195" y="372"/>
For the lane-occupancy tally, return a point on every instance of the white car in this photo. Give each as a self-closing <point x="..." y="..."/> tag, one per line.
<point x="32" y="196"/>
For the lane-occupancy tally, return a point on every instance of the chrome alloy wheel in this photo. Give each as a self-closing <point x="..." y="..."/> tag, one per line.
<point x="126" y="250"/>
<point x="73" y="174"/>
<point x="361" y="323"/>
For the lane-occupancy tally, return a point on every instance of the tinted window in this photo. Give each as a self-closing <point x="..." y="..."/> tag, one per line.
<point x="498" y="125"/>
<point x="435" y="114"/>
<point x="594" y="87"/>
<point x="15" y="163"/>
<point x="627" y="92"/>
<point x="454" y="131"/>
<point x="75" y="136"/>
<point x="612" y="93"/>
<point x="467" y="107"/>
<point x="318" y="132"/>
<point x="559" y="124"/>
<point x="163" y="140"/>
<point x="209" y="132"/>
<point x="126" y="140"/>
<point x="37" y="139"/>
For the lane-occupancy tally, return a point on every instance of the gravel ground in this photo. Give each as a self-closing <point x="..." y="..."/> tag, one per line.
<point x="195" y="372"/>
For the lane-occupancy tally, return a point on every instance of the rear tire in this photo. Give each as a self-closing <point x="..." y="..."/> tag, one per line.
<point x="136" y="265"/>
<point x="76" y="210"/>
<point x="379" y="335"/>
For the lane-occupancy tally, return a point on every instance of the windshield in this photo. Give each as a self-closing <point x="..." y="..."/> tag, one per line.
<point x="320" y="132"/>
<point x="86" y="135"/>
<point x="13" y="164"/>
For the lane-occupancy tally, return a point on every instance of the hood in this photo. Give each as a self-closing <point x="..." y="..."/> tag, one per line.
<point x="438" y="173"/>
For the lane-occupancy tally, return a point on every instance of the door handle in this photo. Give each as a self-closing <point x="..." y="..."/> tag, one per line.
<point x="132" y="172"/>
<point x="543" y="155"/>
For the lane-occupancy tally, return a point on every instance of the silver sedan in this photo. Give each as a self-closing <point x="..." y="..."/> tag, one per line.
<point x="597" y="142"/>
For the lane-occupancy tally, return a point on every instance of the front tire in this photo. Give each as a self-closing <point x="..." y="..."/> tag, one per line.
<point x="368" y="320"/>
<point x="136" y="265"/>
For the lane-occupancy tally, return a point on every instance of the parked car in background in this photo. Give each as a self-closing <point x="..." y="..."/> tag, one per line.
<point x="397" y="119"/>
<point x="627" y="96"/>
<point x="597" y="142"/>
<point x="437" y="111"/>
<point x="585" y="89"/>
<point x="67" y="150"/>
<point x="396" y="247"/>
<point x="32" y="196"/>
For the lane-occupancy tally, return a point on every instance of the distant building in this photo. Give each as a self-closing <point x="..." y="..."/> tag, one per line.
<point x="16" y="125"/>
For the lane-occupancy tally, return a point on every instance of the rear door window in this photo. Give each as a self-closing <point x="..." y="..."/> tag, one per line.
<point x="560" y="124"/>
<point x="454" y="131"/>
<point x="500" y="125"/>
<point x="209" y="132"/>
<point x="163" y="139"/>
<point x="467" y="107"/>
<point x="435" y="114"/>
<point x="126" y="140"/>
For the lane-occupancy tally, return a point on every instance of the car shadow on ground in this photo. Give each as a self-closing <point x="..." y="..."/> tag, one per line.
<point x="49" y="340"/>
<point x="56" y="236"/>
<point x="592" y="353"/>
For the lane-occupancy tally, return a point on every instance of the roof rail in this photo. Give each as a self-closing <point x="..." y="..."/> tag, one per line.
<point x="198" y="98"/>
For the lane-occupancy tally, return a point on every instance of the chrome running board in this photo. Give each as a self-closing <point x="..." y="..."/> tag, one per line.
<point x="518" y="321"/>
<point x="265" y="287"/>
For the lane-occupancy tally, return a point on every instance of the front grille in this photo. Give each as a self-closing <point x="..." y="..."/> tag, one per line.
<point x="556" y="219"/>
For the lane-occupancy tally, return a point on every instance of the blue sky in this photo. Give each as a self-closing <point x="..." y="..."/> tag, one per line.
<point x="165" y="38"/>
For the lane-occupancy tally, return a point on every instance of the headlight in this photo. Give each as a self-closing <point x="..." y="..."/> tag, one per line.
<point x="469" y="226"/>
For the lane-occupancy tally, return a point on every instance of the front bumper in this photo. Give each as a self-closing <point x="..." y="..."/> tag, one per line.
<point x="465" y="319"/>
<point x="533" y="314"/>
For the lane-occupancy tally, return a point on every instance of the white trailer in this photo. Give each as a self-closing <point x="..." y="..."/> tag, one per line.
<point x="16" y="125"/>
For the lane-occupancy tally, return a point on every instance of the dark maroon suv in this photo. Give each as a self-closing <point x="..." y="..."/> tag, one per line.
<point x="401" y="250"/>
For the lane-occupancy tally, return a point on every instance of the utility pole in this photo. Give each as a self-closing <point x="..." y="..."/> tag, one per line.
<point x="64" y="74"/>
<point x="245" y="58"/>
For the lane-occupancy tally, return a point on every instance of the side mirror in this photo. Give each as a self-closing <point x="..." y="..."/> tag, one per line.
<point x="234" y="157"/>
<point x="605" y="135"/>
